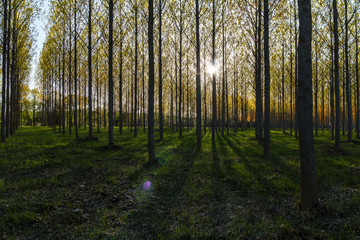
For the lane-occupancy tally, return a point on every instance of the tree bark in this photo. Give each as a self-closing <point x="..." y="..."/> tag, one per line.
<point x="348" y="91"/>
<point x="121" y="85"/>
<point x="90" y="73"/>
<point x="309" y="188"/>
<point x="151" y="142"/>
<point x="337" y="90"/>
<point x="357" y="83"/>
<point x="161" y="120"/>
<point x="283" y="88"/>
<point x="111" y="82"/>
<point x="70" y="77"/>
<point x="214" y="79"/>
<point x="75" y="70"/>
<point x="267" y="81"/>
<point x="316" y="91"/>
<point x="4" y="62"/>
<point x="180" y="72"/>
<point x="223" y="77"/>
<point x="136" y="70"/>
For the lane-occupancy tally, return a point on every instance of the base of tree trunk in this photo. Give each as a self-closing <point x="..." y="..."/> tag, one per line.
<point x="87" y="139"/>
<point x="113" y="148"/>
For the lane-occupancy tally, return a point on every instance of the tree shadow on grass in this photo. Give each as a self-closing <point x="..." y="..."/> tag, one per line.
<point x="263" y="173"/>
<point x="157" y="214"/>
<point x="217" y="208"/>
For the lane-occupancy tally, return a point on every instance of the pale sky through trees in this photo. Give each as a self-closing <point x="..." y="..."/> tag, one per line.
<point x="40" y="25"/>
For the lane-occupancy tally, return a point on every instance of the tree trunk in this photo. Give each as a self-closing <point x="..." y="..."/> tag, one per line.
<point x="143" y="92"/>
<point x="296" y="125"/>
<point x="121" y="85"/>
<point x="316" y="91"/>
<point x="267" y="81"/>
<point x="283" y="88"/>
<point x="180" y="72"/>
<point x="98" y="114"/>
<point x="214" y="79"/>
<point x="291" y="81"/>
<point x="8" y="74"/>
<point x="205" y="88"/>
<point x="322" y="107"/>
<point x="337" y="90"/>
<point x="63" y="86"/>
<point x="357" y="83"/>
<point x="75" y="71"/>
<point x="90" y="73"/>
<point x="348" y="91"/>
<point x="111" y="82"/>
<point x="309" y="188"/>
<point x="70" y="77"/>
<point x="332" y="117"/>
<point x="151" y="141"/>
<point x="161" y="121"/>
<point x="223" y="77"/>
<point x="136" y="70"/>
<point x="259" y="100"/>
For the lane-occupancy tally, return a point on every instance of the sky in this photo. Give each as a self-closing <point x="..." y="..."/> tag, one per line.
<point x="40" y="23"/>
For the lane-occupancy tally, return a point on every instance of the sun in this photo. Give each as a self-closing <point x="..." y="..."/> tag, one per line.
<point x="212" y="68"/>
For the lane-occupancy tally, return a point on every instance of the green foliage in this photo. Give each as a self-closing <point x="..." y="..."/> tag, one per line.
<point x="53" y="185"/>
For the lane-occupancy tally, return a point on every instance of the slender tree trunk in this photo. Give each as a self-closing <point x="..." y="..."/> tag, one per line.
<point x="223" y="78"/>
<point x="236" y="99"/>
<point x="98" y="114"/>
<point x="121" y="85"/>
<point x="172" y="106"/>
<point x="267" y="81"/>
<point x="348" y="91"/>
<point x="13" y="74"/>
<point x="161" y="120"/>
<point x="332" y="112"/>
<point x="259" y="100"/>
<point x="176" y="94"/>
<point x="90" y="73"/>
<point x="143" y="92"/>
<point x="343" y="96"/>
<point x="80" y="117"/>
<point x="357" y="83"/>
<point x="70" y="77"/>
<point x="322" y="107"/>
<point x="136" y="70"/>
<point x="296" y="74"/>
<point x="316" y="91"/>
<point x="60" y="109"/>
<point x="151" y="141"/>
<point x="205" y="88"/>
<point x="309" y="188"/>
<point x="187" y="94"/>
<point x="227" y="103"/>
<point x="63" y="86"/>
<point x="75" y="70"/>
<point x="180" y="71"/>
<point x="111" y="82"/>
<point x="291" y="80"/>
<point x="214" y="79"/>
<point x="7" y="73"/>
<point x="283" y="87"/>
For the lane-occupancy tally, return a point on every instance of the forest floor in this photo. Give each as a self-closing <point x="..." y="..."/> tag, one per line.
<point x="54" y="187"/>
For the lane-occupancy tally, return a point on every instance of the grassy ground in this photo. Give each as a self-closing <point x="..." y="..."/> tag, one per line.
<point x="54" y="187"/>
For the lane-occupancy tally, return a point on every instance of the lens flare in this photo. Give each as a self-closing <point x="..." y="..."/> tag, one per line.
<point x="146" y="185"/>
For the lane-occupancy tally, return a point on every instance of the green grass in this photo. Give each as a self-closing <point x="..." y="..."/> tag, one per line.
<point x="54" y="187"/>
